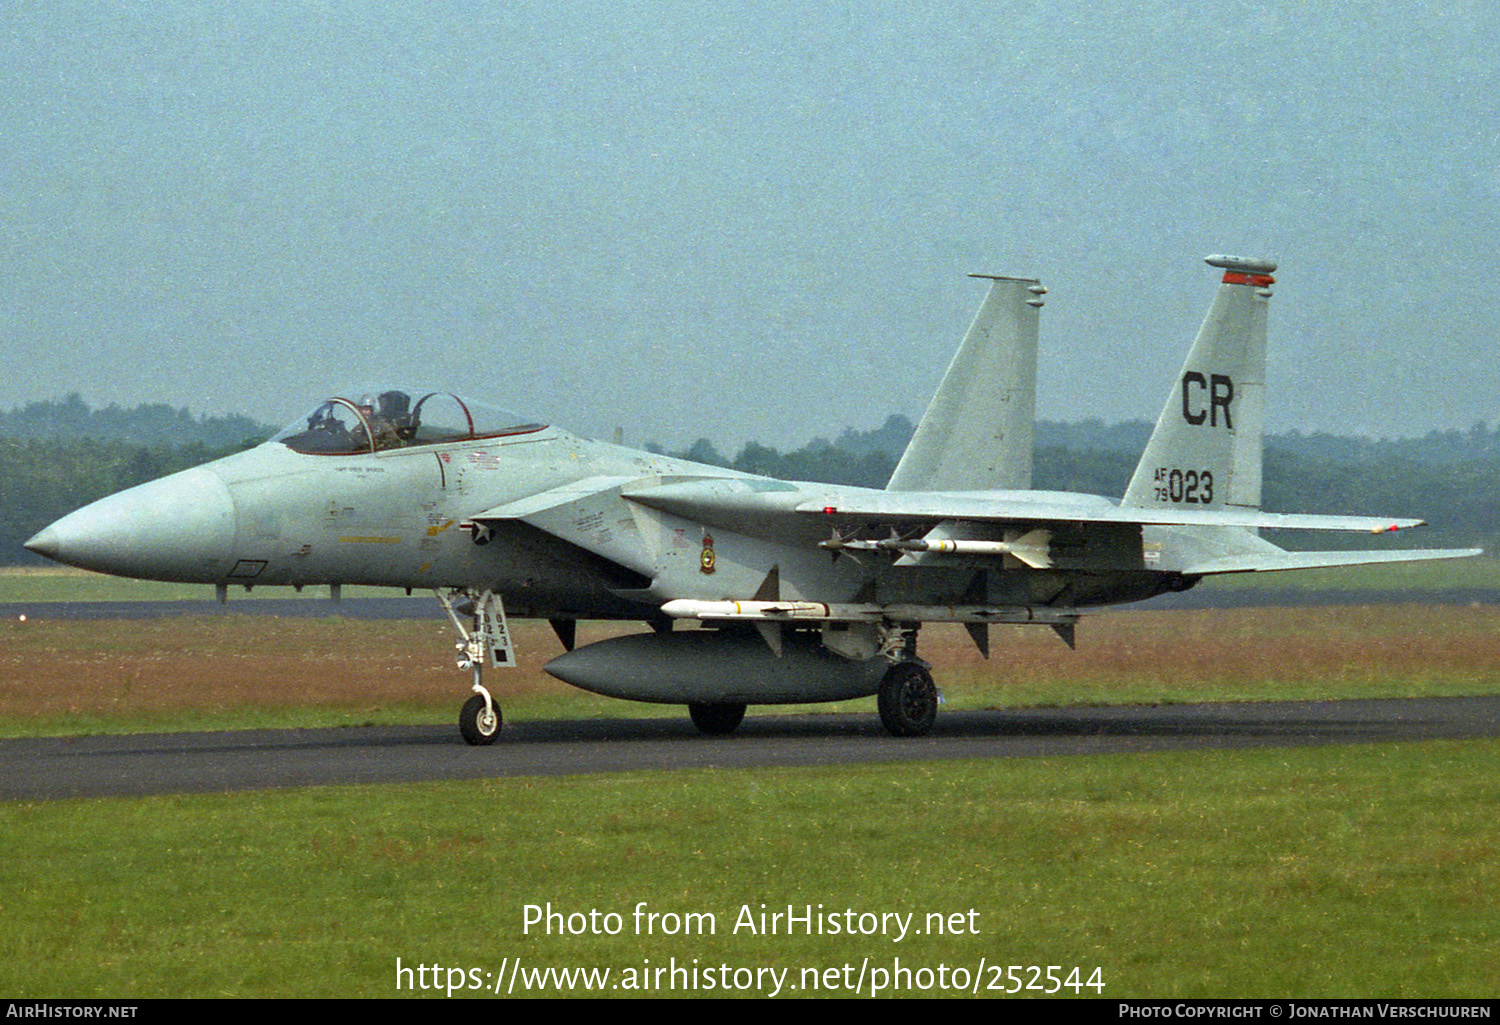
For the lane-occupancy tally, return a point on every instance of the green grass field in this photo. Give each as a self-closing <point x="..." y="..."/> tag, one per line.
<point x="70" y="677"/>
<point x="1341" y="870"/>
<point x="1310" y="872"/>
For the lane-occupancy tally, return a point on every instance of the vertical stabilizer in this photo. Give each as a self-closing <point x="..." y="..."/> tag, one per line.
<point x="1206" y="450"/>
<point x="976" y="433"/>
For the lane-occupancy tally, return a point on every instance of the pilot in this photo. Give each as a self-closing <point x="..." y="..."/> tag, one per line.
<point x="383" y="430"/>
<point x="394" y="408"/>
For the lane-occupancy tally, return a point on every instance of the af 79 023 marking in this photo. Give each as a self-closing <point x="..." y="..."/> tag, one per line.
<point x="1189" y="487"/>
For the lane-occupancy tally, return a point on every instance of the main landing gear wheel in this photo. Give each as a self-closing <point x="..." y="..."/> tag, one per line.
<point x="478" y="722"/>
<point x="908" y="700"/>
<point x="717" y="720"/>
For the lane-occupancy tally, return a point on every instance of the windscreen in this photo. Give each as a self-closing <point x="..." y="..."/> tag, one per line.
<point x="377" y="421"/>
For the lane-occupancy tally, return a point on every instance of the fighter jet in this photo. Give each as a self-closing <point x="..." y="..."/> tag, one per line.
<point x="789" y="592"/>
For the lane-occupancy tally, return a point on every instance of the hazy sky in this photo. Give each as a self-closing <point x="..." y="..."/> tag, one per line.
<point x="742" y="220"/>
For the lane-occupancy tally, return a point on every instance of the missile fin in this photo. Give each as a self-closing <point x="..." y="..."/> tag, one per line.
<point x="770" y="588"/>
<point x="567" y="632"/>
<point x="981" y="634"/>
<point x="1033" y="548"/>
<point x="771" y="632"/>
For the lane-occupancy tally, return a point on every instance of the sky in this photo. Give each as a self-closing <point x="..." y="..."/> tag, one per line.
<point x="742" y="221"/>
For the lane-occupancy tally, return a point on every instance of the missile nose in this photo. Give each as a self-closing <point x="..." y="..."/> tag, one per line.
<point x="180" y="527"/>
<point x="44" y="542"/>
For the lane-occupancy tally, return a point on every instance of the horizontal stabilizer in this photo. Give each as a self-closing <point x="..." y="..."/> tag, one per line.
<point x="1268" y="562"/>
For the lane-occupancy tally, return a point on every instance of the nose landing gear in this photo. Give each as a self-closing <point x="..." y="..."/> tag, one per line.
<point x="487" y="638"/>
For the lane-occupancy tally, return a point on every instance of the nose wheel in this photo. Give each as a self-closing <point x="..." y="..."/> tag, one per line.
<point x="479" y="722"/>
<point x="486" y="639"/>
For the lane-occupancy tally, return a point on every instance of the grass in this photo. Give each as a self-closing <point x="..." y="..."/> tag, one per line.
<point x="240" y="672"/>
<point x="1314" y="872"/>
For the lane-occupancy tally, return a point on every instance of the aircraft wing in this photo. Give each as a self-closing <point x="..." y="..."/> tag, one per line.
<point x="1038" y="508"/>
<point x="738" y="500"/>
<point x="769" y="508"/>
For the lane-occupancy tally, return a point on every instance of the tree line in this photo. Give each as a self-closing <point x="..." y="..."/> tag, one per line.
<point x="151" y="425"/>
<point x="1449" y="478"/>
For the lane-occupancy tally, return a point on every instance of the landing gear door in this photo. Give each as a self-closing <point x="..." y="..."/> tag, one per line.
<point x="490" y="613"/>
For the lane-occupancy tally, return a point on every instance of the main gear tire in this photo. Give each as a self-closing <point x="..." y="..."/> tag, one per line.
<point x="717" y="719"/>
<point x="908" y="700"/>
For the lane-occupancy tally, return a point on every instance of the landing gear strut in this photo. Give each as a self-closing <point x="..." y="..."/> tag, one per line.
<point x="908" y="699"/>
<point x="488" y="638"/>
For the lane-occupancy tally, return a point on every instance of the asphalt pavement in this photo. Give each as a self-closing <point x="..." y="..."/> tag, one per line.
<point x="169" y="763"/>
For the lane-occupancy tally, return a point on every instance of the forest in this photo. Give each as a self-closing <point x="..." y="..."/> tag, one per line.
<point x="58" y="455"/>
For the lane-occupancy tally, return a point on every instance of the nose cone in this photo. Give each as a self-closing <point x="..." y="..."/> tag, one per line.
<point x="178" y="528"/>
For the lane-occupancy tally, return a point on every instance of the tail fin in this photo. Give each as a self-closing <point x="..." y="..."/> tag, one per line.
<point x="976" y="434"/>
<point x="1206" y="450"/>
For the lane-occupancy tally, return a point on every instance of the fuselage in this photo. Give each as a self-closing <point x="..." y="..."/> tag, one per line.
<point x="275" y="516"/>
<point x="405" y="517"/>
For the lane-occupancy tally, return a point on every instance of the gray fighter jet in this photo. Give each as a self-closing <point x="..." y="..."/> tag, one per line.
<point x="800" y="592"/>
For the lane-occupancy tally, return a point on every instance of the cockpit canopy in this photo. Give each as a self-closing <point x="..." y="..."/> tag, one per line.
<point x="374" y="421"/>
